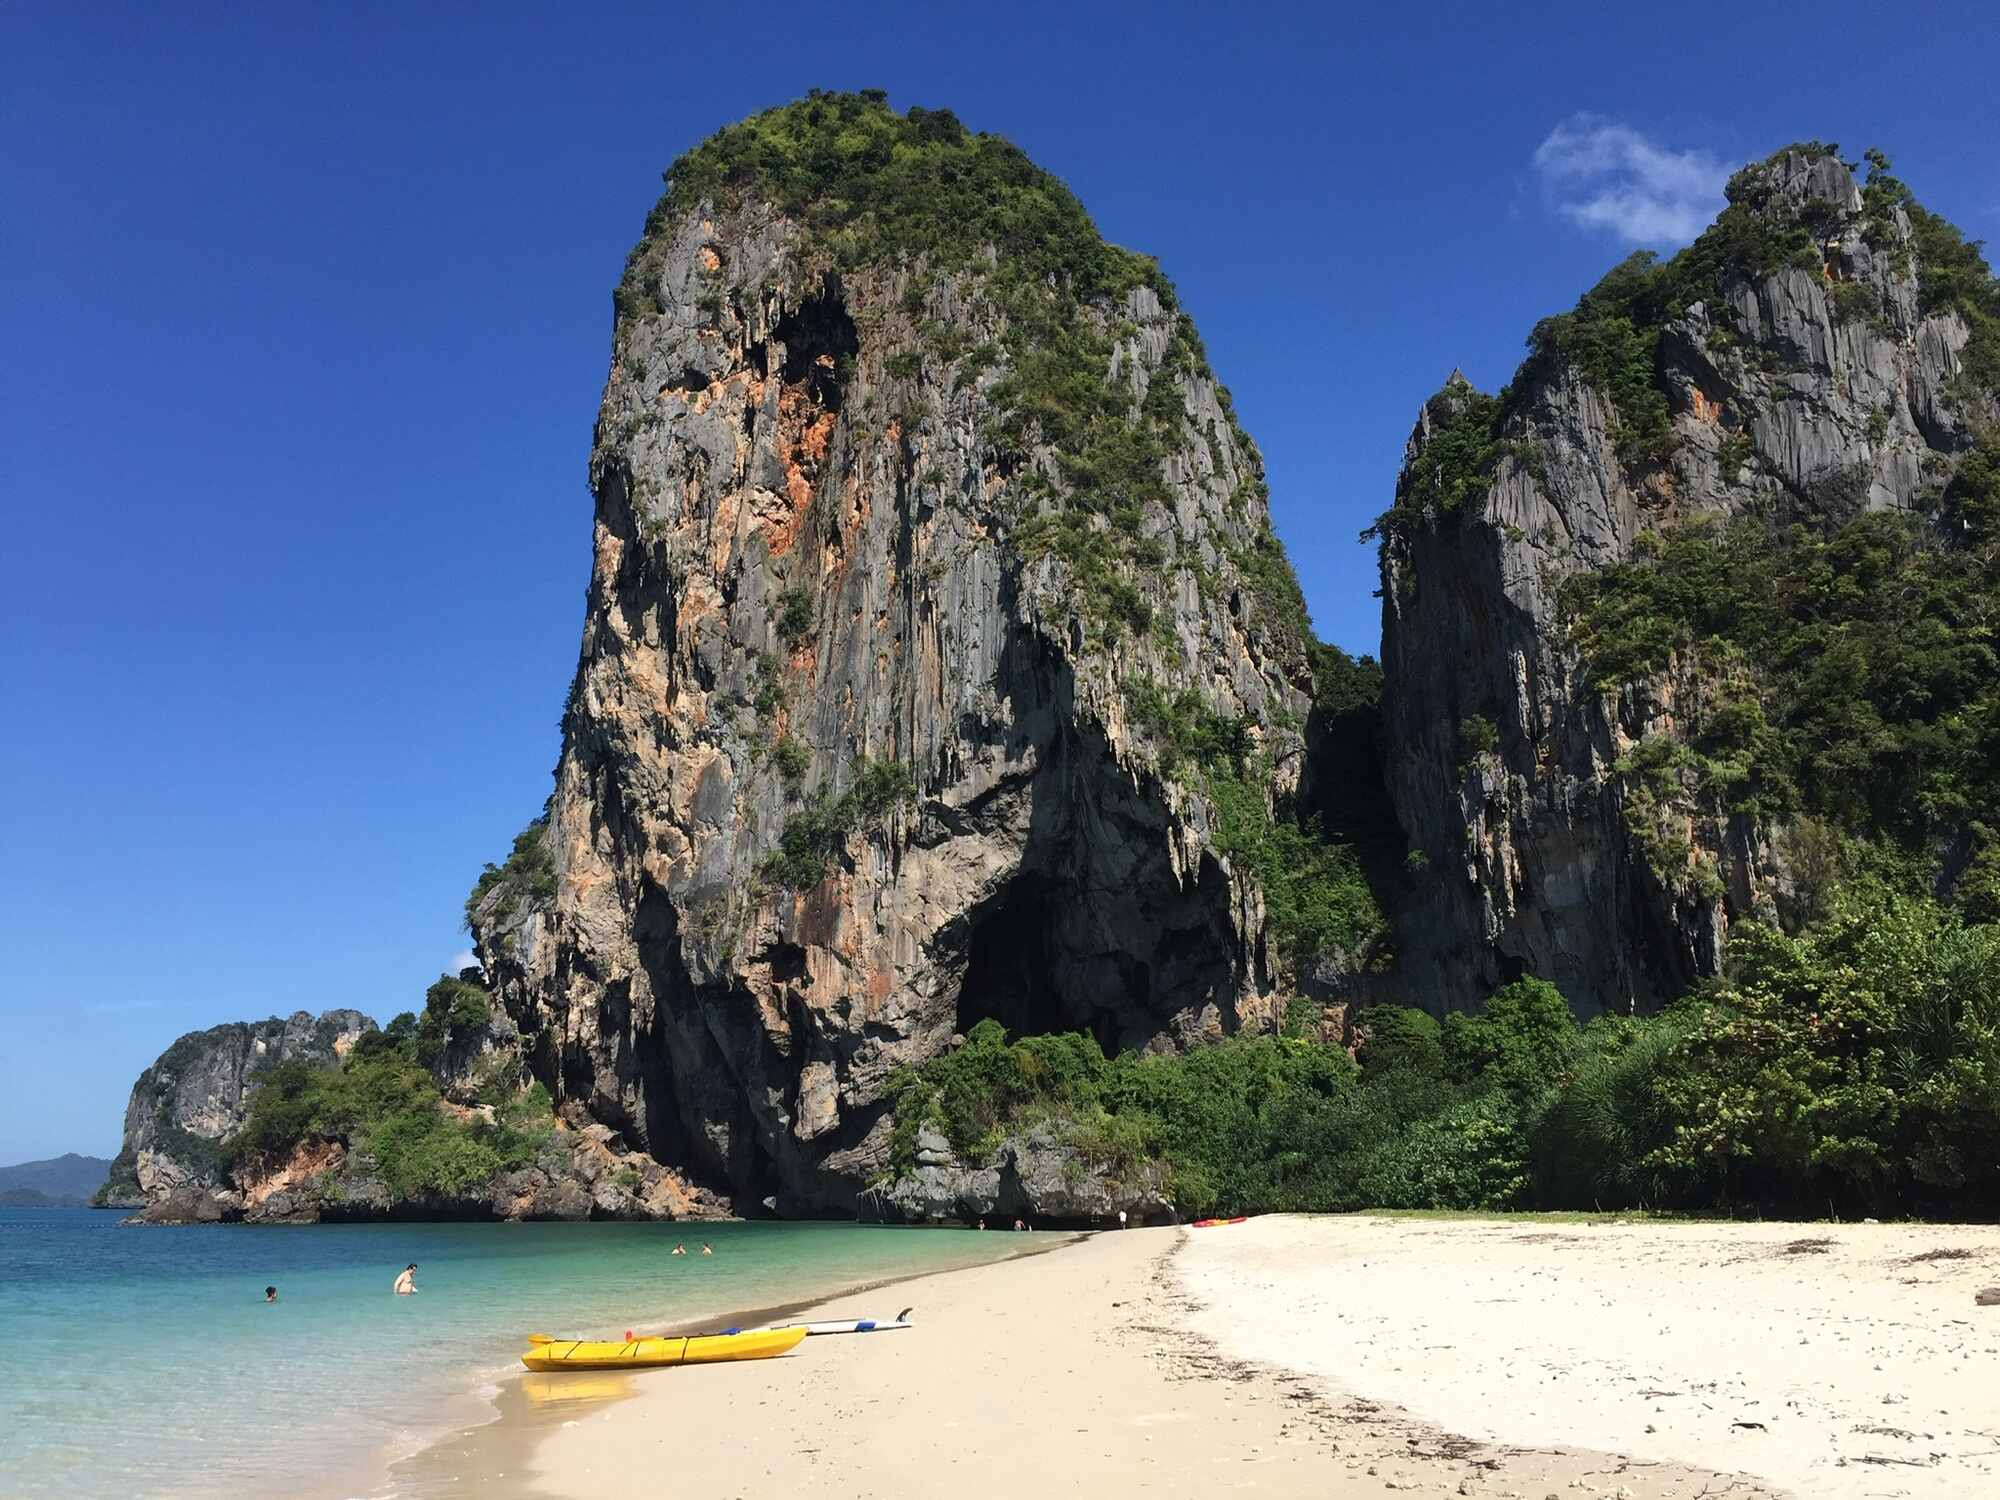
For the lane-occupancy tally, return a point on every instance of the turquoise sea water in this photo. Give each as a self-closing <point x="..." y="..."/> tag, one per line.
<point x="144" y="1361"/>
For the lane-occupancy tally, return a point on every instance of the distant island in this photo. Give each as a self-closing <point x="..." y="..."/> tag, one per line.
<point x="66" y="1181"/>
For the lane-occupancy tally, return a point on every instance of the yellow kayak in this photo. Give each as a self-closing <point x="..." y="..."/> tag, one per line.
<point x="646" y="1354"/>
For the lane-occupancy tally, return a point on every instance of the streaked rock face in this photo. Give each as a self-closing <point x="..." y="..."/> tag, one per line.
<point x="1531" y="866"/>
<point x="804" y="562"/>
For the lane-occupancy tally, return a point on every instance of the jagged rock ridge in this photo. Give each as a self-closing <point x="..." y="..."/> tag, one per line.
<point x="1799" y="363"/>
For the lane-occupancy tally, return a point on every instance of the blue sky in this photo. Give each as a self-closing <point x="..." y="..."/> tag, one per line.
<point x="305" y="312"/>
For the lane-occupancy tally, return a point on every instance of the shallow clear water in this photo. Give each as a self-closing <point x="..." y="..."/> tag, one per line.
<point x="145" y="1361"/>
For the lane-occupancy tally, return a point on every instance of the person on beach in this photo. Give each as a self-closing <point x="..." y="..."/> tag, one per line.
<point x="1121" y="1218"/>
<point x="406" y="1284"/>
<point x="270" y="1294"/>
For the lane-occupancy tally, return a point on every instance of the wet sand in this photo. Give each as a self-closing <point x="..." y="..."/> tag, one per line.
<point x="490" y="1452"/>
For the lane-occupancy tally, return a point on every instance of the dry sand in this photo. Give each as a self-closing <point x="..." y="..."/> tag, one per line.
<point x="1866" y="1365"/>
<point x="1348" y="1357"/>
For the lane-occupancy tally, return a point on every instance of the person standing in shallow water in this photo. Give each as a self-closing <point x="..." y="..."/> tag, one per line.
<point x="406" y="1284"/>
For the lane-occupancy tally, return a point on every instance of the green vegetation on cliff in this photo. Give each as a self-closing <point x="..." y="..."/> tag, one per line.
<point x="1317" y="898"/>
<point x="529" y="874"/>
<point x="1612" y="335"/>
<point x="1855" y="1066"/>
<point x="383" y="1101"/>
<point x="453" y="1007"/>
<point x="816" y="836"/>
<point x="1952" y="274"/>
<point x="1853" y="676"/>
<point x="921" y="196"/>
<point x="1841" y="674"/>
<point x="874" y="186"/>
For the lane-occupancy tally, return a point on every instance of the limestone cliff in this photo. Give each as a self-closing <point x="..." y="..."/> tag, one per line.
<point x="923" y="532"/>
<point x="432" y="1125"/>
<point x="1805" y="361"/>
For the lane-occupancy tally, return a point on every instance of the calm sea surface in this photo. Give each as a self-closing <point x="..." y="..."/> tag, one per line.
<point x="145" y="1361"/>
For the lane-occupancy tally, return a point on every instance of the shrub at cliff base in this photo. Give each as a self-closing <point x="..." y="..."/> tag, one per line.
<point x="1856" y="1067"/>
<point x="1858" y="1064"/>
<point x="383" y="1100"/>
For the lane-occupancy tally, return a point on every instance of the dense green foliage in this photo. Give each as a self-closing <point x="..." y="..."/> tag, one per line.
<point x="817" y="835"/>
<point x="530" y="873"/>
<point x="1456" y="464"/>
<point x="1477" y="736"/>
<point x="1266" y="1123"/>
<point x="791" y="759"/>
<point x="453" y="1007"/>
<point x="875" y="186"/>
<point x="796" y="609"/>
<point x="1317" y="897"/>
<point x="1851" y="676"/>
<point x="382" y="1100"/>
<point x="1855" y="1066"/>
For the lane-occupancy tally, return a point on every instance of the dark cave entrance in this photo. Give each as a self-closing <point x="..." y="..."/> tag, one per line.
<point x="820" y="346"/>
<point x="1014" y="967"/>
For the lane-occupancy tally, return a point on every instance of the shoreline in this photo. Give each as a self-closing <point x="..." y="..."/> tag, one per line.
<point x="515" y="1409"/>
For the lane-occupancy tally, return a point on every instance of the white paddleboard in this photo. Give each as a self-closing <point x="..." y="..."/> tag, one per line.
<point x="844" y="1325"/>
<point x="859" y="1325"/>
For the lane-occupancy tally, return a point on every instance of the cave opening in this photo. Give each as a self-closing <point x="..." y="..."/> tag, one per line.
<point x="820" y="345"/>
<point x="1014" y="969"/>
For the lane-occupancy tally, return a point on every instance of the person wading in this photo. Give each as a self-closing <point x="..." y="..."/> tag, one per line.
<point x="406" y="1284"/>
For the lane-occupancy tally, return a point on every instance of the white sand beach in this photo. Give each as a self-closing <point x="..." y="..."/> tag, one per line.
<point x="1829" y="1361"/>
<point x="1352" y="1356"/>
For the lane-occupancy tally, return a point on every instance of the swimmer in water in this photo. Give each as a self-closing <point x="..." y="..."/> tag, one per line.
<point x="406" y="1284"/>
<point x="678" y="1250"/>
<point x="270" y="1294"/>
<point x="708" y="1250"/>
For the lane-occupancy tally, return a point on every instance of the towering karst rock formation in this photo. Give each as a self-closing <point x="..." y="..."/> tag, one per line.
<point x="940" y="666"/>
<point x="1588" y="760"/>
<point x="929" y="561"/>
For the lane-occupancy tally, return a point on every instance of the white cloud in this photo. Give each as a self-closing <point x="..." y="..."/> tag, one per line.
<point x="1603" y="174"/>
<point x="465" y="958"/>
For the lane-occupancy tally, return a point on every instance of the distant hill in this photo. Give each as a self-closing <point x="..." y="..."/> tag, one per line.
<point x="65" y="1181"/>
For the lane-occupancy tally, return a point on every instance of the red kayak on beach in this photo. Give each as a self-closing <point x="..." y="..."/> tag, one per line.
<point x="1218" y="1223"/>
